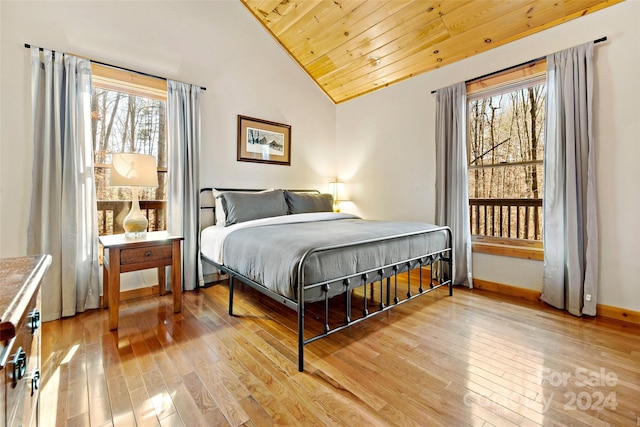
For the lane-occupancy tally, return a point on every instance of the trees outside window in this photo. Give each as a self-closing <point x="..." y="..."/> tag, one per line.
<point x="505" y="150"/>
<point x="127" y="121"/>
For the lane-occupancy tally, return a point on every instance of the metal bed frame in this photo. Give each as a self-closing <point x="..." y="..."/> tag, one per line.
<point x="373" y="276"/>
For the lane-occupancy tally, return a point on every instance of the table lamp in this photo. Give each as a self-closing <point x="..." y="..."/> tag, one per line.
<point x="336" y="188"/>
<point x="134" y="170"/>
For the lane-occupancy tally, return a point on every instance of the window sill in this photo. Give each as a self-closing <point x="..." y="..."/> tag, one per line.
<point x="509" y="247"/>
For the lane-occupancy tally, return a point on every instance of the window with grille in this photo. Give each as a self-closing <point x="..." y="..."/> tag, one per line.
<point x="128" y="116"/>
<point x="506" y="118"/>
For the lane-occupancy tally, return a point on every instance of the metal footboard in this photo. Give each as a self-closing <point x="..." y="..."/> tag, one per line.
<point x="444" y="278"/>
<point x="381" y="276"/>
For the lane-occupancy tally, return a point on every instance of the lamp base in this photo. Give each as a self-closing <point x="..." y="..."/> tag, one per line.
<point x="135" y="223"/>
<point x="129" y="235"/>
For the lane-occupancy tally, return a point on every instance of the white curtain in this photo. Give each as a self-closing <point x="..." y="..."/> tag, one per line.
<point x="570" y="221"/>
<point x="183" y="111"/>
<point x="452" y="188"/>
<point x="63" y="218"/>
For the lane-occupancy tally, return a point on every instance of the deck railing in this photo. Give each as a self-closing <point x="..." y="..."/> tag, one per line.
<point x="510" y="218"/>
<point x="111" y="213"/>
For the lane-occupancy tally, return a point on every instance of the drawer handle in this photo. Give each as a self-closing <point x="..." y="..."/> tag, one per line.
<point x="19" y="363"/>
<point x="34" y="320"/>
<point x="148" y="253"/>
<point x="35" y="382"/>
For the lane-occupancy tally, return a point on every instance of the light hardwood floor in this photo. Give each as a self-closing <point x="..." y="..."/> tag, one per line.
<point x="476" y="358"/>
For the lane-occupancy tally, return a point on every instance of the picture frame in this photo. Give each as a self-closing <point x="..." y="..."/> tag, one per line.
<point x="262" y="141"/>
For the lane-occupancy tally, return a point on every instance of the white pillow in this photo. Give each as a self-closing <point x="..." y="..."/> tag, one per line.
<point x="220" y="216"/>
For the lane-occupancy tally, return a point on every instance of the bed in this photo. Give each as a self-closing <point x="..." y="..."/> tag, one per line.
<point x="290" y="246"/>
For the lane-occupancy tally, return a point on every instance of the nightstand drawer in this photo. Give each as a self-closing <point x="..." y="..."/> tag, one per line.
<point x="145" y="254"/>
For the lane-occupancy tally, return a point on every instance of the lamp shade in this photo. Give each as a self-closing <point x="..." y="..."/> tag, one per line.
<point x="133" y="170"/>
<point x="336" y="188"/>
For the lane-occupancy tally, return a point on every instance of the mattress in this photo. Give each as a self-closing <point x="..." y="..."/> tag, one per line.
<point x="267" y="251"/>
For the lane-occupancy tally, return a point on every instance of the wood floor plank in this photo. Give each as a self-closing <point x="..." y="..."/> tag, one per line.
<point x="186" y="406"/>
<point x="167" y="371"/>
<point x="132" y="372"/>
<point x="476" y="358"/>
<point x="205" y="402"/>
<point x="143" y="408"/>
<point x="264" y="389"/>
<point x="142" y="353"/>
<point x="172" y="420"/>
<point x="62" y="394"/>
<point x="180" y="359"/>
<point x="121" y="408"/>
<point x="160" y="397"/>
<point x="79" y="420"/>
<point x="256" y="412"/>
<point x="99" y="407"/>
<point x="110" y="357"/>
<point x="78" y="398"/>
<point x="226" y="402"/>
<point x="274" y="377"/>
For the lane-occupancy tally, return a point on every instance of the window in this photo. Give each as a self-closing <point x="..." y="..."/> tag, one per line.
<point x="506" y="118"/>
<point x="128" y="112"/>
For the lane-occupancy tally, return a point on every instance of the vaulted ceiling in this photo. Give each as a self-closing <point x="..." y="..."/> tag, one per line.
<point x="353" y="47"/>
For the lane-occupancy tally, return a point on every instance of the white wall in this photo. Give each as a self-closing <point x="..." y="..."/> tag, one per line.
<point x="385" y="146"/>
<point x="216" y="44"/>
<point x="385" y="140"/>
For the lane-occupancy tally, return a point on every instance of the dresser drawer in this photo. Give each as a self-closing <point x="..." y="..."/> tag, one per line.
<point x="22" y="368"/>
<point x="20" y="332"/>
<point x="146" y="254"/>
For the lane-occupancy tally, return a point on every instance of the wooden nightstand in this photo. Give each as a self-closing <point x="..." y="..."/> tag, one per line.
<point x="156" y="250"/>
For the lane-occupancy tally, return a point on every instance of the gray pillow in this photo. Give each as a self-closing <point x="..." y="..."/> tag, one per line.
<point x="308" y="202"/>
<point x="241" y="207"/>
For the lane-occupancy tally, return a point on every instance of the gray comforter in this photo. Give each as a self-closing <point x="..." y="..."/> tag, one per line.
<point x="269" y="254"/>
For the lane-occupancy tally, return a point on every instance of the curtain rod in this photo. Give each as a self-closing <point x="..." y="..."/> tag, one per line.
<point x="531" y="61"/>
<point x="28" y="46"/>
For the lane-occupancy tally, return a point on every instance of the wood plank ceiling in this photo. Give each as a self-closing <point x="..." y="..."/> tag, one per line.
<point x="353" y="47"/>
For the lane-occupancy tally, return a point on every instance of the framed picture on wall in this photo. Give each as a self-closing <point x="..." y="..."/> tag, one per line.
<point x="262" y="141"/>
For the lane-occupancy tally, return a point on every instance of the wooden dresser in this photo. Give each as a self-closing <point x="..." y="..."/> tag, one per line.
<point x="20" y="280"/>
